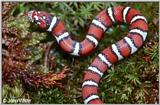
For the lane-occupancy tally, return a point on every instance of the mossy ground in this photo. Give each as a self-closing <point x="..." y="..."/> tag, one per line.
<point x="132" y="80"/>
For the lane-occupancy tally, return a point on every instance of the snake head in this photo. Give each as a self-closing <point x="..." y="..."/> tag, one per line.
<point x="40" y="18"/>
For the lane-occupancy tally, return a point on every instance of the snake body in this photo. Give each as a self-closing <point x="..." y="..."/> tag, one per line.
<point x="106" y="18"/>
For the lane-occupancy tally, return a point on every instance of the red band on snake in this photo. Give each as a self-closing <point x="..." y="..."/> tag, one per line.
<point x="123" y="48"/>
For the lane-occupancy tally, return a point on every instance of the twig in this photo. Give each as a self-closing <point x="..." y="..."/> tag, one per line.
<point x="47" y="52"/>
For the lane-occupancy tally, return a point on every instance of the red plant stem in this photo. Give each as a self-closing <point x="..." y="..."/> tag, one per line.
<point x="47" y="52"/>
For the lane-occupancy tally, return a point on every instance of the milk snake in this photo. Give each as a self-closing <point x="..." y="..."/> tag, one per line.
<point x="123" y="48"/>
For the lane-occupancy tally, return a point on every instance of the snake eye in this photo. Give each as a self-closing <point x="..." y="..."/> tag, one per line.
<point x="43" y="17"/>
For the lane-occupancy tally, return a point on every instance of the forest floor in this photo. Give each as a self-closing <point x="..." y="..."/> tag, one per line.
<point x="35" y="67"/>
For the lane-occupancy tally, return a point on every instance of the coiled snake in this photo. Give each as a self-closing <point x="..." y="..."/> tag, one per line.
<point x="123" y="48"/>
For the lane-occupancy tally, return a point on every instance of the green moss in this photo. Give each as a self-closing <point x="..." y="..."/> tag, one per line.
<point x="126" y="81"/>
<point x="47" y="96"/>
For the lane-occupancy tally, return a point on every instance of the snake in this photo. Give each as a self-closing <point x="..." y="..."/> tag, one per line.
<point x="106" y="18"/>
